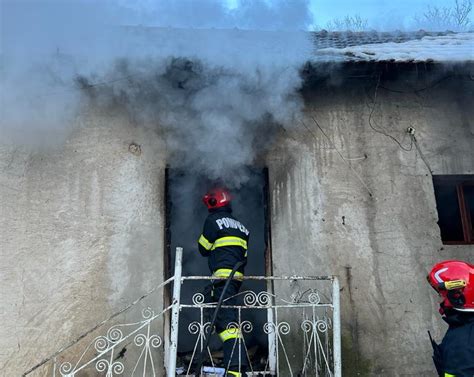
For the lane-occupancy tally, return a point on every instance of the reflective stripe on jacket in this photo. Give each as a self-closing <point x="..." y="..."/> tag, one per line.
<point x="224" y="241"/>
<point x="225" y="273"/>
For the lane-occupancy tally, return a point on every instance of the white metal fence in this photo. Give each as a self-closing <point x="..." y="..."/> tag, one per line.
<point x="302" y="328"/>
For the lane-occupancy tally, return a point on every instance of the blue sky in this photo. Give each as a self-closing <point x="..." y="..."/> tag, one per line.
<point x="386" y="13"/>
<point x="376" y="11"/>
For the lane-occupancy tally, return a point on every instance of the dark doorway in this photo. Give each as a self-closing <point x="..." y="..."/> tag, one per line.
<point x="185" y="217"/>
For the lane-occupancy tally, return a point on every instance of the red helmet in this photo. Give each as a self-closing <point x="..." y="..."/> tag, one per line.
<point x="454" y="281"/>
<point x="216" y="198"/>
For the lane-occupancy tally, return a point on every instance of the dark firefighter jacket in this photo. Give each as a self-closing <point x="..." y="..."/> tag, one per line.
<point x="224" y="241"/>
<point x="456" y="351"/>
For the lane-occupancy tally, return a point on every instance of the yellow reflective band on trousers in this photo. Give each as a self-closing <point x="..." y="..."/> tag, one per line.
<point x="225" y="273"/>
<point x="205" y="243"/>
<point x="232" y="373"/>
<point x="229" y="334"/>
<point x="449" y="375"/>
<point x="229" y="241"/>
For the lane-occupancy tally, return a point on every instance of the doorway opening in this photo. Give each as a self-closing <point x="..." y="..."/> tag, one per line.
<point x="185" y="215"/>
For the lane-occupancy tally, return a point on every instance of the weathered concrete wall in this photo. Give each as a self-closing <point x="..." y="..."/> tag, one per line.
<point x="81" y="234"/>
<point x="81" y="231"/>
<point x="325" y="222"/>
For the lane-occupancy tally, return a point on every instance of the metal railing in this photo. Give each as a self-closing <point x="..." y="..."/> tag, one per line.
<point x="302" y="330"/>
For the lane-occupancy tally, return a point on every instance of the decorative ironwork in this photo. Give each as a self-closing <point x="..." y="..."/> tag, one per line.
<point x="312" y="333"/>
<point x="302" y="328"/>
<point x="102" y="349"/>
<point x="282" y="328"/>
<point x="198" y="298"/>
<point x="258" y="299"/>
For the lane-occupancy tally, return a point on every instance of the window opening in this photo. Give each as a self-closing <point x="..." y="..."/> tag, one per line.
<point x="455" y="204"/>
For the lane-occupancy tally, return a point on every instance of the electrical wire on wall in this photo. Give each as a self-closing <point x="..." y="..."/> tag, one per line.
<point x="423" y="158"/>
<point x="410" y="130"/>
<point x="378" y="129"/>
<point x="373" y="125"/>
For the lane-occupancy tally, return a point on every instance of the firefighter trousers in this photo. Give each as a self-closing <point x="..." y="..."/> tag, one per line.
<point x="234" y="353"/>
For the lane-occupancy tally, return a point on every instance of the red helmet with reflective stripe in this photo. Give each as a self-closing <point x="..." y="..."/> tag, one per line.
<point x="454" y="281"/>
<point x="216" y="198"/>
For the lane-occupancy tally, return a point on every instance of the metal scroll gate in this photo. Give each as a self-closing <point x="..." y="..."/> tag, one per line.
<point x="302" y="330"/>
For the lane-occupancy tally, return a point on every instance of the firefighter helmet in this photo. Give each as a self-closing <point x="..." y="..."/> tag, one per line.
<point x="216" y="198"/>
<point x="454" y="281"/>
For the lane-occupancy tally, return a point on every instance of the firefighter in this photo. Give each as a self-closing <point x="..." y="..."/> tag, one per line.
<point x="224" y="242"/>
<point x="454" y="281"/>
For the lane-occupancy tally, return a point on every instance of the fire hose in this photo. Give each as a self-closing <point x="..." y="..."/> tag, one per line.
<point x="207" y="333"/>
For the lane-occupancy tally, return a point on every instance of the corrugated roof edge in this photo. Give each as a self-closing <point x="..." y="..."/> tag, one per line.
<point x="418" y="46"/>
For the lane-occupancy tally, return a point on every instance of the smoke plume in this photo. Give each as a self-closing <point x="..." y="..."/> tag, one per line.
<point x="216" y="91"/>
